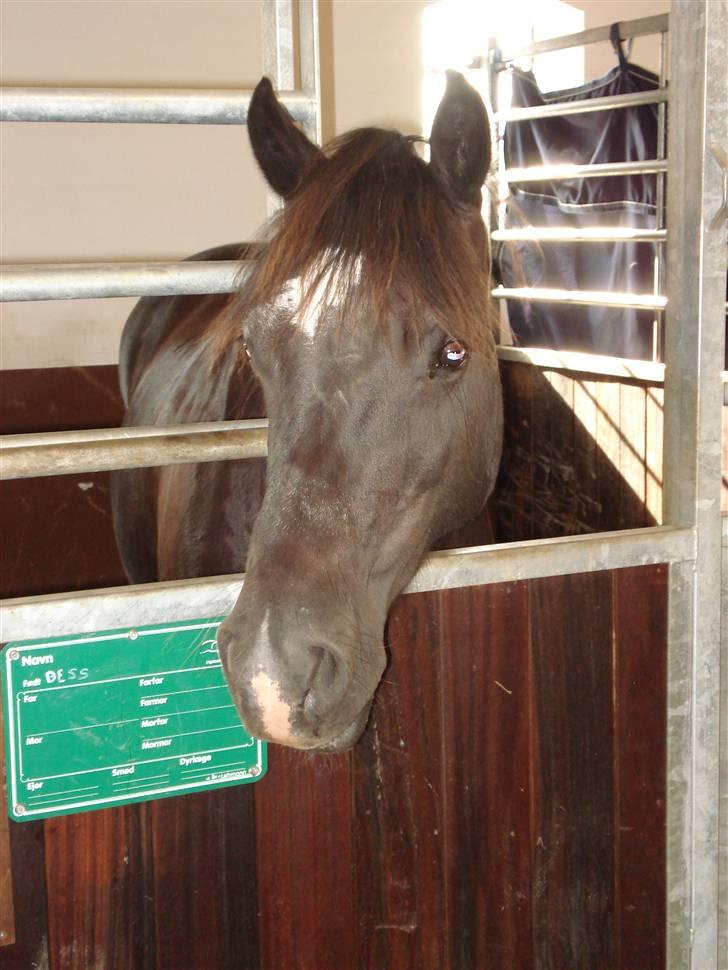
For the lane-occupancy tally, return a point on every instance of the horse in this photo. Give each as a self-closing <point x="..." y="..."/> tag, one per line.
<point x="364" y="331"/>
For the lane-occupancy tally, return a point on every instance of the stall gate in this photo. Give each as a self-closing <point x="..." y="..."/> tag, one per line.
<point x="502" y="809"/>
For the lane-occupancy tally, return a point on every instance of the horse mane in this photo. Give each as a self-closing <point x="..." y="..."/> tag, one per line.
<point x="371" y="225"/>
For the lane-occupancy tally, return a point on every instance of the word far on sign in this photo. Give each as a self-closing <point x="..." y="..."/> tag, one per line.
<point x="123" y="716"/>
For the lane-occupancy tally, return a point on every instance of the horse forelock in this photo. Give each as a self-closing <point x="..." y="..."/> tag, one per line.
<point x="370" y="228"/>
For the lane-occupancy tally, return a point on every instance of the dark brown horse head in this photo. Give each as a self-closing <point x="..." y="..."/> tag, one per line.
<point x="367" y="324"/>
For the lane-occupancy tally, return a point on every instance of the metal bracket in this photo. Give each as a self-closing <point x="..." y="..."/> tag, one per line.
<point x="721" y="157"/>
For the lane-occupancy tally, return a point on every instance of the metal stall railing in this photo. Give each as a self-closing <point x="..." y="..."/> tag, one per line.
<point x="690" y="538"/>
<point x="498" y="62"/>
<point x="693" y="348"/>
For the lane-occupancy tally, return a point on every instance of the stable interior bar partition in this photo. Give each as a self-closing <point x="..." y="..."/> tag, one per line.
<point x="691" y="536"/>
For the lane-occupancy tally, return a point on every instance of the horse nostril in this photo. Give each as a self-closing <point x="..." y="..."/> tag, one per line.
<point x="327" y="684"/>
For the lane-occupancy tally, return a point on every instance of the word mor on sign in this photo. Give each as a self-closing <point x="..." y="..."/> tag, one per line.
<point x="122" y="716"/>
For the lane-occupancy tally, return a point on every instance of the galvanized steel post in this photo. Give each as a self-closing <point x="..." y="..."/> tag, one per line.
<point x="694" y="350"/>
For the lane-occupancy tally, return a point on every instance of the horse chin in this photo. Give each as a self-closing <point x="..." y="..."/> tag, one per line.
<point x="348" y="738"/>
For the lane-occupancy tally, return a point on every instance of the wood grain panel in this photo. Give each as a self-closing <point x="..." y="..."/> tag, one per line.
<point x="487" y="789"/>
<point x="576" y="454"/>
<point x="640" y="725"/>
<point x="205" y="888"/>
<point x="101" y="912"/>
<point x="398" y="812"/>
<point x="30" y="949"/>
<point x="573" y="868"/>
<point x="7" y="906"/>
<point x="528" y="708"/>
<point x="58" y="529"/>
<point x="305" y="863"/>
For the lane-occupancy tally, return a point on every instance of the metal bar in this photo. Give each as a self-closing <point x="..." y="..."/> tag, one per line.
<point x="566" y="234"/>
<point x="558" y="109"/>
<point x="659" y="281"/>
<point x="105" y="449"/>
<point x="627" y="28"/>
<point x="580" y="297"/>
<point x="102" y="609"/>
<point x="694" y="350"/>
<point x="73" y="452"/>
<point x="179" y="106"/>
<point x="557" y="173"/>
<point x="278" y="60"/>
<point x="86" y="281"/>
<point x="723" y="769"/>
<point x="310" y="62"/>
<point x="644" y="371"/>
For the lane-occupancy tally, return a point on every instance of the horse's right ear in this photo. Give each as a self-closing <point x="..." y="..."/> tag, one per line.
<point x="281" y="150"/>
<point x="460" y="142"/>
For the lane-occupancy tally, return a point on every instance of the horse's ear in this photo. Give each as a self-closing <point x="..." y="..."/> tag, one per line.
<point x="282" y="151"/>
<point x="460" y="141"/>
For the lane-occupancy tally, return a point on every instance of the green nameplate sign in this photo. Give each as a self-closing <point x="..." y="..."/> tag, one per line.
<point x="124" y="716"/>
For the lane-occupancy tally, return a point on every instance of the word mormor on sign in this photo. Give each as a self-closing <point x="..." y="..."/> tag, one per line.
<point x="122" y="716"/>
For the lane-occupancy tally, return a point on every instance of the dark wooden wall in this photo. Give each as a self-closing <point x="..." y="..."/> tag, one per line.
<point x="504" y="810"/>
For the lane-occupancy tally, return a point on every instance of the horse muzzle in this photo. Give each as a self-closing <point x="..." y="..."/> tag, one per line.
<point x="300" y="691"/>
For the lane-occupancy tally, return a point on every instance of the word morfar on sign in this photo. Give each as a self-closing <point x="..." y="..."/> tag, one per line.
<point x="123" y="716"/>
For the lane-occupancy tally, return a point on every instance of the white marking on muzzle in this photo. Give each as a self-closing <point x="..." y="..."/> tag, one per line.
<point x="275" y="713"/>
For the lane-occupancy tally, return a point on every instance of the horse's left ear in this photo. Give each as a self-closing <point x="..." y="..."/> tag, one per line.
<point x="460" y="141"/>
<point x="281" y="150"/>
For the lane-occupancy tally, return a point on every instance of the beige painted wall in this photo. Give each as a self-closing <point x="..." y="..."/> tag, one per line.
<point x="598" y="13"/>
<point x="95" y="192"/>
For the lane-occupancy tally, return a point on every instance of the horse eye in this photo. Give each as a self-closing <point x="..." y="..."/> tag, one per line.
<point x="452" y="354"/>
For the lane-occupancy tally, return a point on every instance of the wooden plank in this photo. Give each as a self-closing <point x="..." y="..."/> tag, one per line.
<point x="487" y="733"/>
<point x="585" y="454"/>
<point x="653" y="453"/>
<point x="572" y="879"/>
<point x="398" y="801"/>
<point x="47" y="522"/>
<point x="7" y="906"/>
<point x="305" y="865"/>
<point x="99" y="889"/>
<point x="632" y="431"/>
<point x="512" y="498"/>
<point x="23" y="907"/>
<point x="205" y="891"/>
<point x="607" y="455"/>
<point x="31" y="920"/>
<point x="640" y="760"/>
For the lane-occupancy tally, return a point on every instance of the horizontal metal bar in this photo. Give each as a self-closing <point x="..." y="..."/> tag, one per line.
<point x="557" y="173"/>
<point x="557" y="109"/>
<point x="180" y="106"/>
<point x="644" y="371"/>
<point x="106" y="449"/>
<point x="657" y="24"/>
<point x="73" y="452"/>
<point x="580" y="297"/>
<point x="91" y="281"/>
<point x="566" y="234"/>
<point x="129" y="606"/>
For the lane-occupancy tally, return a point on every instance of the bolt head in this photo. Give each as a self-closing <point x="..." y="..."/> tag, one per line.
<point x="13" y="653"/>
<point x="19" y="809"/>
